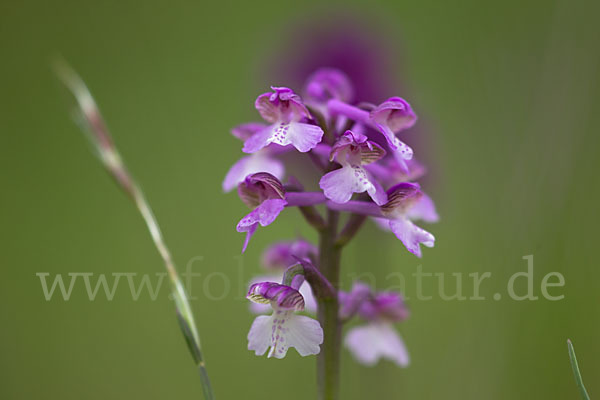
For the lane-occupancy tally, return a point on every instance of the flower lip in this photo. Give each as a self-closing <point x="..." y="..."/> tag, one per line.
<point x="401" y="198"/>
<point x="282" y="296"/>
<point x="259" y="187"/>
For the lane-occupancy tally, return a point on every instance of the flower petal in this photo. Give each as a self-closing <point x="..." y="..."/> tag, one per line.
<point x="259" y="336"/>
<point x="257" y="162"/>
<point x="424" y="209"/>
<point x="373" y="341"/>
<point x="245" y="131"/>
<point x="400" y="149"/>
<point x="259" y="140"/>
<point x="339" y="185"/>
<point x="282" y="330"/>
<point x="411" y="235"/>
<point x="301" y="332"/>
<point x="302" y="136"/>
<point x="259" y="308"/>
<point x="264" y="215"/>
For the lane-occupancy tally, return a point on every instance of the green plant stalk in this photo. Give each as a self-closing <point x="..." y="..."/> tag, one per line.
<point x="575" y="367"/>
<point x="328" y="360"/>
<point x="93" y="124"/>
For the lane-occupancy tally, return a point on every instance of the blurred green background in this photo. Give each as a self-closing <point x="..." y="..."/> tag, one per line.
<point x="509" y="92"/>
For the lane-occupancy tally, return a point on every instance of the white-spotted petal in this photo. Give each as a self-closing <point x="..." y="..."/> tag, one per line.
<point x="282" y="330"/>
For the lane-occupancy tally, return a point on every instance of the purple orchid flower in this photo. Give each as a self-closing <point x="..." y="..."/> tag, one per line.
<point x="389" y="118"/>
<point x="260" y="161"/>
<point x="406" y="202"/>
<point x="263" y="193"/>
<point x="283" y="329"/>
<point x="284" y="111"/>
<point x="353" y="151"/>
<point x="326" y="84"/>
<point x="377" y="338"/>
<point x="277" y="258"/>
<point x="280" y="255"/>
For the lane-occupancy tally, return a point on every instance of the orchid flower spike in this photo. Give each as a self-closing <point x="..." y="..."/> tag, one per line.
<point x="353" y="151"/>
<point x="284" y="328"/>
<point x="260" y="161"/>
<point x="377" y="338"/>
<point x="263" y="193"/>
<point x="284" y="111"/>
<point x="407" y="202"/>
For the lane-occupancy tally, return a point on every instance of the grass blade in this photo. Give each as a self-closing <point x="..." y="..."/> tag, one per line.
<point x="575" y="366"/>
<point x="95" y="128"/>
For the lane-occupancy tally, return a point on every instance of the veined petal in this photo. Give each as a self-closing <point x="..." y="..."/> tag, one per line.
<point x="373" y="341"/>
<point x="257" y="162"/>
<point x="424" y="210"/>
<point x="281" y="297"/>
<point x="411" y="235"/>
<point x="262" y="308"/>
<point x="339" y="185"/>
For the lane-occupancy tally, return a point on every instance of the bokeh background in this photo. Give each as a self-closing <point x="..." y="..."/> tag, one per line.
<point x="507" y="92"/>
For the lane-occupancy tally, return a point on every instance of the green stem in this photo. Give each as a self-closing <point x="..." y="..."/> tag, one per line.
<point x="328" y="360"/>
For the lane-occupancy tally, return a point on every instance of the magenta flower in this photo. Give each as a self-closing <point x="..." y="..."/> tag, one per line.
<point x="353" y="151"/>
<point x="377" y="338"/>
<point x="326" y="84"/>
<point x="286" y="113"/>
<point x="345" y="139"/>
<point x="390" y="117"/>
<point x="260" y="161"/>
<point x="405" y="203"/>
<point x="281" y="255"/>
<point x="282" y="329"/>
<point x="263" y="193"/>
<point x="276" y="258"/>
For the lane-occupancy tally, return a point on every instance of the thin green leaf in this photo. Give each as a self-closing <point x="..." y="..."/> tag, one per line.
<point x="575" y="366"/>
